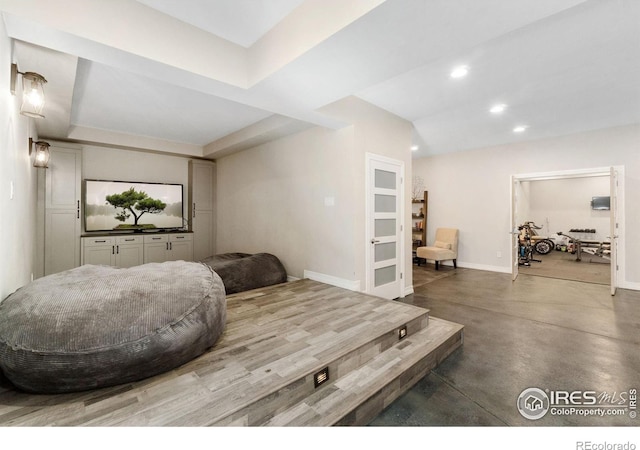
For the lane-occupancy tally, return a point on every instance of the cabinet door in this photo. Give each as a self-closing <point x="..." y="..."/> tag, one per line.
<point x="181" y="251"/>
<point x="181" y="247"/>
<point x="203" y="235"/>
<point x="202" y="180"/>
<point x="155" y="252"/>
<point x="62" y="210"/>
<point x="129" y="251"/>
<point x="102" y="255"/>
<point x="98" y="250"/>
<point x="63" y="179"/>
<point x="202" y="174"/>
<point x="129" y="255"/>
<point x="61" y="241"/>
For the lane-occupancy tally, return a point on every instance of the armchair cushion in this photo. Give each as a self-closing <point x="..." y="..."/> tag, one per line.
<point x="440" y="244"/>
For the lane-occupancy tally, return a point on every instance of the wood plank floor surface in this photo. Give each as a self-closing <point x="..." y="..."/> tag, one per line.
<point x="275" y="339"/>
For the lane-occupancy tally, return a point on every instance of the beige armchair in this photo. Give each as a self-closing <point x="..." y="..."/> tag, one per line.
<point x="444" y="248"/>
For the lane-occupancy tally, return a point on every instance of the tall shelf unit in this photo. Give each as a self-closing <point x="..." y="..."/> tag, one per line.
<point x="419" y="221"/>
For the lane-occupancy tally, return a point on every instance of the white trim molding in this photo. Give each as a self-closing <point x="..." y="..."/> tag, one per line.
<point x="352" y="285"/>
<point x="629" y="285"/>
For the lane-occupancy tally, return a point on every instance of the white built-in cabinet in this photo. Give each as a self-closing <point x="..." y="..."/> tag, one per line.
<point x="117" y="251"/>
<point x="168" y="247"/>
<point x="202" y="180"/>
<point x="130" y="250"/>
<point x="62" y="209"/>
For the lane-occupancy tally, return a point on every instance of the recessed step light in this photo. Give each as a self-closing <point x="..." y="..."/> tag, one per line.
<point x="459" y="72"/>
<point x="520" y="129"/>
<point x="498" y="108"/>
<point x="402" y="332"/>
<point x="321" y="377"/>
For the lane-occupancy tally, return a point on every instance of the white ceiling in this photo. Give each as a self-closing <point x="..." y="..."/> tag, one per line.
<point x="242" y="22"/>
<point x="205" y="76"/>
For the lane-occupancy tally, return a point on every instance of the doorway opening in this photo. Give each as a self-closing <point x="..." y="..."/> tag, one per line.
<point x="564" y="208"/>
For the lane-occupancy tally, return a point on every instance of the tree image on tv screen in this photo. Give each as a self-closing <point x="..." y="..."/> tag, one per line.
<point x="135" y="203"/>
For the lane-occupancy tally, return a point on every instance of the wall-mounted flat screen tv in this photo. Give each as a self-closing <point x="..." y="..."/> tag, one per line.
<point x="601" y="203"/>
<point x="132" y="206"/>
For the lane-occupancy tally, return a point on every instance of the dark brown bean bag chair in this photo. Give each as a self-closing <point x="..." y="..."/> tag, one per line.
<point x="243" y="271"/>
<point x="96" y="326"/>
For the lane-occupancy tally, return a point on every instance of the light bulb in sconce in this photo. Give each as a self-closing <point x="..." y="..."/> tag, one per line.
<point x="41" y="158"/>
<point x="33" y="96"/>
<point x="32" y="91"/>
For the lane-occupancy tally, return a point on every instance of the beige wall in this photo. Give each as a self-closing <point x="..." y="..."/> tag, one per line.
<point x="273" y="197"/>
<point x="471" y="190"/>
<point x="565" y="204"/>
<point x="106" y="163"/>
<point x="382" y="133"/>
<point x="18" y="216"/>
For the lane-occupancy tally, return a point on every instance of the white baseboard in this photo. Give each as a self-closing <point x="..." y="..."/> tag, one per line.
<point x="621" y="284"/>
<point x="630" y="285"/>
<point x="290" y="278"/>
<point x="408" y="290"/>
<point x="352" y="285"/>
<point x="486" y="267"/>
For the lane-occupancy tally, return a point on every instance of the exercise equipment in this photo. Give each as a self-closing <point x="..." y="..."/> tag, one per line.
<point x="592" y="247"/>
<point x="525" y="247"/>
<point x="541" y="244"/>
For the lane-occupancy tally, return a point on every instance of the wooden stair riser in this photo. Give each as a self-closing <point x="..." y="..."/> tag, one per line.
<point x="367" y="390"/>
<point x="280" y="400"/>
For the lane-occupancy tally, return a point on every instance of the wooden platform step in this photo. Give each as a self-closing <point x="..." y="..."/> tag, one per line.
<point x="357" y="397"/>
<point x="342" y="334"/>
<point x="261" y="370"/>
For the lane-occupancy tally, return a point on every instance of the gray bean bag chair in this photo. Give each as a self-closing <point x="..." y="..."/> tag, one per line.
<point x="243" y="271"/>
<point x="96" y="326"/>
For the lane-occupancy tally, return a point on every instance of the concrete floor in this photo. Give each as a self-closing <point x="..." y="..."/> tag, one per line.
<point x="539" y="332"/>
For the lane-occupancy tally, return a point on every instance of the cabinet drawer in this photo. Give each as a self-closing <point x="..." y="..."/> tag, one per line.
<point x="98" y="241"/>
<point x="156" y="238"/>
<point x="129" y="240"/>
<point x="180" y="237"/>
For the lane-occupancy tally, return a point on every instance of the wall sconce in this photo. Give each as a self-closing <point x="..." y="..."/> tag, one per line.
<point x="32" y="91"/>
<point x="42" y="153"/>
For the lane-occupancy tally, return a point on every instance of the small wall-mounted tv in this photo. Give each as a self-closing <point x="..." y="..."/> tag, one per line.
<point x="132" y="206"/>
<point x="601" y="203"/>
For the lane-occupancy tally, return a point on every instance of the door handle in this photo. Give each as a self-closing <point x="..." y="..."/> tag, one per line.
<point x="374" y="241"/>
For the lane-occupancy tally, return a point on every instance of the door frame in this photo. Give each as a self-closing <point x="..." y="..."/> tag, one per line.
<point x="369" y="157"/>
<point x="514" y="232"/>
<point x="618" y="211"/>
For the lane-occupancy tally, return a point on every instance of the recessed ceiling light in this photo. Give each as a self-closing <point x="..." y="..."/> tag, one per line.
<point x="520" y="128"/>
<point x="414" y="148"/>
<point x="460" y="72"/>
<point x="498" y="108"/>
